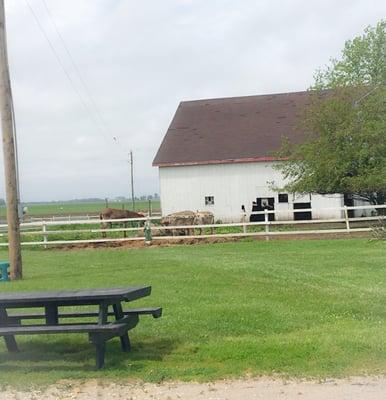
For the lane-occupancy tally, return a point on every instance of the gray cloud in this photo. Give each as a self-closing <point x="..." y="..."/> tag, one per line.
<point x="139" y="59"/>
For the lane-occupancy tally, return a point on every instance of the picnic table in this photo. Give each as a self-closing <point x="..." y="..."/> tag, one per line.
<point x="111" y="319"/>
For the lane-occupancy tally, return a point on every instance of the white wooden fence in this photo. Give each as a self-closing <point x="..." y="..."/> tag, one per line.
<point x="70" y="217"/>
<point x="148" y="230"/>
<point x="61" y="218"/>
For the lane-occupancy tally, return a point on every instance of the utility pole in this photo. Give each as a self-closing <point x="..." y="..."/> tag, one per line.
<point x="132" y="179"/>
<point x="11" y="183"/>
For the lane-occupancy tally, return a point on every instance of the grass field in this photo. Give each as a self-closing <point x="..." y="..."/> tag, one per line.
<point x="297" y="308"/>
<point x="67" y="208"/>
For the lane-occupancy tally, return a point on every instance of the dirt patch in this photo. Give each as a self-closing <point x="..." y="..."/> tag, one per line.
<point x="181" y="240"/>
<point x="358" y="388"/>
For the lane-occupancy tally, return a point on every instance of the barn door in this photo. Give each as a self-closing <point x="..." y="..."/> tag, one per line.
<point x="302" y="215"/>
<point x="261" y="204"/>
<point x="349" y="202"/>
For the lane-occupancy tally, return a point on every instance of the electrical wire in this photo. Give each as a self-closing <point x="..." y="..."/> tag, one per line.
<point x="77" y="70"/>
<point x="71" y="81"/>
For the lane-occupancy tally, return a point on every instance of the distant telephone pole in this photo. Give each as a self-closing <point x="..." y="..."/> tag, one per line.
<point x="10" y="170"/>
<point x="132" y="179"/>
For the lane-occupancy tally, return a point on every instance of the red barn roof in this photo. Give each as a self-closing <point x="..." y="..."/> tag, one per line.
<point x="236" y="129"/>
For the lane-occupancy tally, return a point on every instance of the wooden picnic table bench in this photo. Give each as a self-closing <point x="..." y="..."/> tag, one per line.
<point x="99" y="332"/>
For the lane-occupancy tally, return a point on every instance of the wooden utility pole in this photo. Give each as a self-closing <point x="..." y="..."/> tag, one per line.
<point x="132" y="179"/>
<point x="11" y="183"/>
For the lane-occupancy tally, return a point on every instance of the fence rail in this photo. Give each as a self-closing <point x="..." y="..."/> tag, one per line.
<point x="61" y="217"/>
<point x="148" y="229"/>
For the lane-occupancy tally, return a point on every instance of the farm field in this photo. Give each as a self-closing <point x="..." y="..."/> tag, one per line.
<point x="293" y="308"/>
<point x="68" y="208"/>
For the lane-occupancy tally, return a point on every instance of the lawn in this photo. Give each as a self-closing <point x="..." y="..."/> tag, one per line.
<point x="296" y="308"/>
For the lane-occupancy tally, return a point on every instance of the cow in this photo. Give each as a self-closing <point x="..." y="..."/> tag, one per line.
<point x="183" y="218"/>
<point x="114" y="213"/>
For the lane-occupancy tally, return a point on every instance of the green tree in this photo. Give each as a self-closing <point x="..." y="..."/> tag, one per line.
<point x="345" y="146"/>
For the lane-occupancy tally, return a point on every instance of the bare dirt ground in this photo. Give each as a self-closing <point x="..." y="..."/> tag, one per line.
<point x="180" y="240"/>
<point x="358" y="388"/>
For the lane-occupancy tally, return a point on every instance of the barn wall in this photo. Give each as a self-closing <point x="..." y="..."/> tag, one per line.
<point x="231" y="185"/>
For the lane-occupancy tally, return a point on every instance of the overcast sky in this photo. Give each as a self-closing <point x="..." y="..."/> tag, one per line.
<point x="139" y="59"/>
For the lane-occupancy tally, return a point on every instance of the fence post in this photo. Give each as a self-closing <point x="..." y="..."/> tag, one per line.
<point x="346" y="219"/>
<point x="244" y="218"/>
<point x="147" y="231"/>
<point x="266" y="224"/>
<point x="45" y="239"/>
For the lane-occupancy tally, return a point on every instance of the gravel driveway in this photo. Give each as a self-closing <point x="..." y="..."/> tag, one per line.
<point x="358" y="388"/>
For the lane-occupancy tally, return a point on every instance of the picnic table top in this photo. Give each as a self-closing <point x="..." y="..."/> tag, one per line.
<point x="73" y="297"/>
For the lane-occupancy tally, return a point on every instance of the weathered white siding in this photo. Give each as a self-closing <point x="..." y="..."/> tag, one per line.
<point x="232" y="185"/>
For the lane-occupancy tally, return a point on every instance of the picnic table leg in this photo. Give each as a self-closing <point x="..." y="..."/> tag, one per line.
<point x="10" y="340"/>
<point x="98" y="339"/>
<point x="125" y="341"/>
<point x="51" y="312"/>
<point x="103" y="314"/>
<point x="100" y="355"/>
<point x="100" y="347"/>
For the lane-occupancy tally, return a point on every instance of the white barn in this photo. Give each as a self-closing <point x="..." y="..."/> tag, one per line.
<point x="217" y="155"/>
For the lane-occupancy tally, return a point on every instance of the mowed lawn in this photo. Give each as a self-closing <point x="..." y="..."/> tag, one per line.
<point x="295" y="308"/>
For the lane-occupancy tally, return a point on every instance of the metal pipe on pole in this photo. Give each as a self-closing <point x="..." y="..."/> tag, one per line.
<point x="10" y="170"/>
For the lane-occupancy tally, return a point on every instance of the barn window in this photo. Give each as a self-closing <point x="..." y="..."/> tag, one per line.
<point x="283" y="198"/>
<point x="209" y="200"/>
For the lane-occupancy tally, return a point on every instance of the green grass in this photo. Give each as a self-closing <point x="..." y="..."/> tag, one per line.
<point x="296" y="308"/>
<point x="67" y="208"/>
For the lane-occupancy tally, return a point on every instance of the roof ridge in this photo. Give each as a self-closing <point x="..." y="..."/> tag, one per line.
<point x="246" y="97"/>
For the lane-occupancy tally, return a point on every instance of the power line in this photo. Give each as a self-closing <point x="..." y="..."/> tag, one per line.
<point x="52" y="47"/>
<point x="76" y="69"/>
